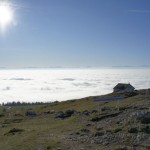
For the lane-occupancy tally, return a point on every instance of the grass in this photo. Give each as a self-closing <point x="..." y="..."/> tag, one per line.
<point x="44" y="131"/>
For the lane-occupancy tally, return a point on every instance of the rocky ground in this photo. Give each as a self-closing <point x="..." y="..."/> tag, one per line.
<point x="79" y="124"/>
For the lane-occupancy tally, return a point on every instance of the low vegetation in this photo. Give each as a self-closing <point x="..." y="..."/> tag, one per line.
<point x="78" y="124"/>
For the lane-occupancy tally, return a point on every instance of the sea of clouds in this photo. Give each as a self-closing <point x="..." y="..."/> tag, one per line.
<point x="46" y="85"/>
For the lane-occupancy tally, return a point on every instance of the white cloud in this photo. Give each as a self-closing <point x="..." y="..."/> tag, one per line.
<point x="45" y="85"/>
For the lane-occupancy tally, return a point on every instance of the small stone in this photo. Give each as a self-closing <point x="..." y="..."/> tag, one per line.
<point x="99" y="134"/>
<point x="85" y="112"/>
<point x="85" y="130"/>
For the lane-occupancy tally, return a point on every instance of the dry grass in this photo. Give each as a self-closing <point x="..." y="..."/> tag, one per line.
<point x="45" y="132"/>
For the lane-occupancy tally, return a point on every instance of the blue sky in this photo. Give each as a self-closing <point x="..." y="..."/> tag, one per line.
<point x="77" y="33"/>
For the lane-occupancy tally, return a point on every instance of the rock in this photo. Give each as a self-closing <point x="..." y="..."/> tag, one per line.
<point x="88" y="125"/>
<point x="18" y="115"/>
<point x="77" y="133"/>
<point x="52" y="111"/>
<point x="94" y="111"/>
<point x="99" y="134"/>
<point x="13" y="131"/>
<point x="121" y="148"/>
<point x="60" y="114"/>
<point x="77" y="113"/>
<point x="3" y="126"/>
<point x="85" y="130"/>
<point x="145" y="129"/>
<point x="133" y="130"/>
<point x="133" y="148"/>
<point x="63" y="115"/>
<point x="2" y="115"/>
<point x="105" y="108"/>
<point x="30" y="113"/>
<point x="99" y="118"/>
<point x="130" y="94"/>
<point x="86" y="112"/>
<point x="99" y="128"/>
<point x="69" y="113"/>
<point x="47" y="112"/>
<point x="117" y="130"/>
<point x="143" y="117"/>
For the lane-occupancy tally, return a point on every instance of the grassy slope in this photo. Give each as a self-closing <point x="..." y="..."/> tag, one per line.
<point x="46" y="132"/>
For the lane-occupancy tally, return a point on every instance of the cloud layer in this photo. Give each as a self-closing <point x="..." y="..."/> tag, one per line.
<point x="58" y="84"/>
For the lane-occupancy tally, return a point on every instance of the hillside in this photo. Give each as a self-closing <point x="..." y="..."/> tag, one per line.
<point x="79" y="124"/>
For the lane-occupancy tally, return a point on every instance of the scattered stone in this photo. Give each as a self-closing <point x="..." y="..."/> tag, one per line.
<point x="52" y="111"/>
<point x="69" y="113"/>
<point x="31" y="113"/>
<point x="86" y="112"/>
<point x="99" y="128"/>
<point x="121" y="148"/>
<point x="16" y="120"/>
<point x="77" y="133"/>
<point x="122" y="108"/>
<point x="99" y="118"/>
<point x="117" y="130"/>
<point x="130" y="94"/>
<point x="105" y="108"/>
<point x="60" y="114"/>
<point x="145" y="129"/>
<point x="99" y="134"/>
<point x="2" y="115"/>
<point x="18" y="115"/>
<point x="3" y="126"/>
<point x="88" y="125"/>
<point x="63" y="115"/>
<point x="94" y="111"/>
<point x="14" y="130"/>
<point x="47" y="112"/>
<point x="133" y="130"/>
<point x="85" y="130"/>
<point x="143" y="117"/>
